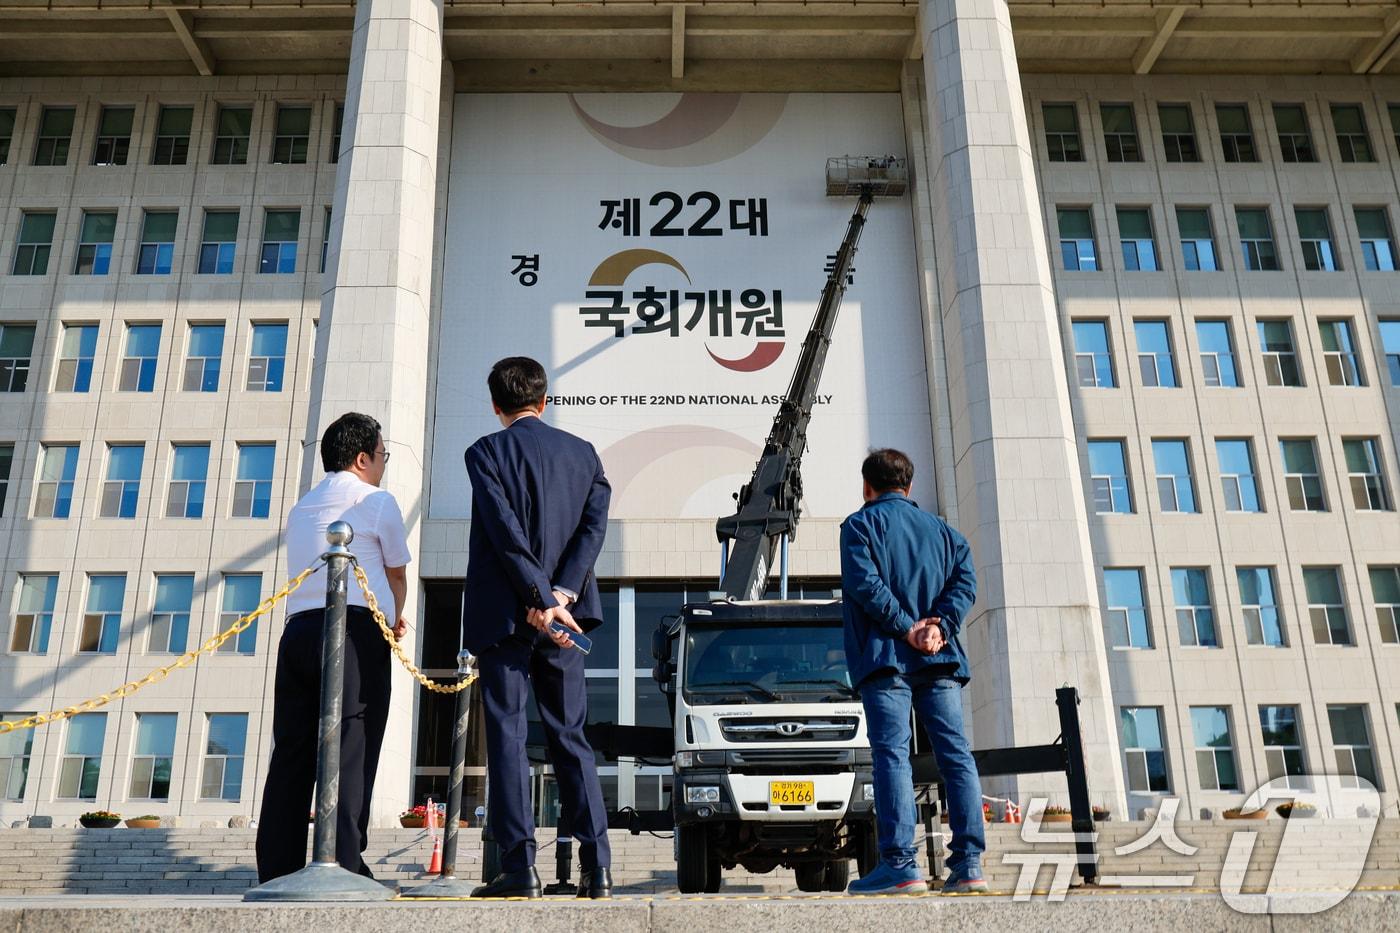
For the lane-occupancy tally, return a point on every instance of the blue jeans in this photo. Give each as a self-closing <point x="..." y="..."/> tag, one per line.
<point x="889" y="699"/>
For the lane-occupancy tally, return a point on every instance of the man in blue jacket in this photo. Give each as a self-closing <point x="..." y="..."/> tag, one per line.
<point x="539" y="513"/>
<point x="907" y="583"/>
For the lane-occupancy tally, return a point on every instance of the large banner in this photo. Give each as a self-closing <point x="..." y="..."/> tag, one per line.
<point x="662" y="255"/>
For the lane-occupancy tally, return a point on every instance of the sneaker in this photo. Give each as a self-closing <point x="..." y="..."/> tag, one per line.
<point x="961" y="884"/>
<point x="887" y="880"/>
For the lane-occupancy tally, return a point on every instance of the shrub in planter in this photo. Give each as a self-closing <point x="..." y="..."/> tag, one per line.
<point x="1295" y="809"/>
<point x="1056" y="815"/>
<point x="1235" y="813"/>
<point x="148" y="821"/>
<point x="100" y="819"/>
<point x="1101" y="814"/>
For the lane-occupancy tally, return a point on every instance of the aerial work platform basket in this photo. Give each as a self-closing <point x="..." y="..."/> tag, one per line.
<point x="881" y="176"/>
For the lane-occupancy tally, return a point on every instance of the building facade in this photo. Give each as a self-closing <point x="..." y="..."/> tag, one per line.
<point x="1138" y="321"/>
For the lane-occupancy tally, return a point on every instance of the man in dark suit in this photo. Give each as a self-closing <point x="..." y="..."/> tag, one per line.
<point x="539" y="512"/>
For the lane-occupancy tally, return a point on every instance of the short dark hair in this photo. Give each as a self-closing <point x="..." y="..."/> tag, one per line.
<point x="517" y="383"/>
<point x="887" y="469"/>
<point x="348" y="436"/>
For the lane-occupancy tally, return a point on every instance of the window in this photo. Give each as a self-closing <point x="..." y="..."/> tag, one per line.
<point x="325" y="240"/>
<point x="113" y="136"/>
<point x="1124" y="608"/>
<point x="34" y="615"/>
<point x="74" y="372"/>
<point x="1120" y="139"/>
<point x="1256" y="239"/>
<point x="1390" y="344"/>
<point x="1394" y="122"/>
<point x="1364" y="474"/>
<point x="1339" y="353"/>
<point x="1215" y="753"/>
<point x="122" y="489"/>
<point x="82" y="757"/>
<point x="55" y="135"/>
<point x="7" y="132"/>
<point x="1326" y="611"/>
<point x="1139" y="246"/>
<point x="336" y="126"/>
<point x="268" y="358"/>
<point x="1294" y="137"/>
<point x="1280" y="358"/>
<point x="203" y="361"/>
<point x="293" y="134"/>
<point x="1155" y="354"/>
<point x="1301" y="475"/>
<point x="222" y="778"/>
<point x="1237" y="482"/>
<point x="58" y="468"/>
<point x="189" y="471"/>
<point x="15" y="749"/>
<point x="1377" y="248"/>
<point x="7" y="457"/>
<point x="1236" y="135"/>
<point x="252" y="488"/>
<point x="242" y="593"/>
<point x="35" y="243"/>
<point x="1174" y="486"/>
<point x="1093" y="364"/>
<point x="218" y="242"/>
<point x="95" y="243"/>
<point x="1178" y="133"/>
<point x="1351" y="745"/>
<point x="138" y="372"/>
<point x="1077" y="239"/>
<point x="1142" y="746"/>
<point x="1062" y="133"/>
<point x="157" y="252"/>
<point x="1263" y="625"/>
<point x="231" y="136"/>
<point x="1108" y="477"/>
<point x="1283" y="747"/>
<point x="102" y="621"/>
<point x="1385" y="590"/>
<point x="1195" y="613"/>
<point x="170" y="616"/>
<point x="1217" y="354"/>
<point x="1197" y="240"/>
<point x="1315" y="235"/>
<point x="151" y="756"/>
<point x="1352" y="140"/>
<point x="16" y="352"/>
<point x="279" y="245"/>
<point x="172" y="146"/>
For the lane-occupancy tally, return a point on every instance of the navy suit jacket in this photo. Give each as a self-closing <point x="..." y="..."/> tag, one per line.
<point x="539" y="513"/>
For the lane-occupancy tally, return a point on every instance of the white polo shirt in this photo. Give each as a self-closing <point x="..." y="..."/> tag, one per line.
<point x="380" y="540"/>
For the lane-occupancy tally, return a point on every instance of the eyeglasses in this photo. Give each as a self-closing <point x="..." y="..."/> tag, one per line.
<point x="383" y="453"/>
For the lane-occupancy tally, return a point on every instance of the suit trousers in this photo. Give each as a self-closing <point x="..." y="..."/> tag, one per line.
<point x="556" y="674"/>
<point x="291" y="774"/>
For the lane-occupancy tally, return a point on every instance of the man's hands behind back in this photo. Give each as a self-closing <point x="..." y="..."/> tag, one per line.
<point x="926" y="637"/>
<point x="540" y="619"/>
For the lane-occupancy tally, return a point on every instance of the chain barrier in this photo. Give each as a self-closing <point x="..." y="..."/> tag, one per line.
<point x="160" y="673"/>
<point x="394" y="645"/>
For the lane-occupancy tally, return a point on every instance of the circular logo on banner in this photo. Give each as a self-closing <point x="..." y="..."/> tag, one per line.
<point x="700" y="129"/>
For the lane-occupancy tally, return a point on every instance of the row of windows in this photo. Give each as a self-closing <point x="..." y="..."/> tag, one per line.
<point x="1079" y="250"/>
<point x="203" y="362"/>
<point x="1121" y="140"/>
<point x="155" y="252"/>
<point x="150" y="761"/>
<point x="1094" y="365"/>
<point x="1213" y="746"/>
<point x="1112" y="490"/>
<point x="53" y="139"/>
<point x="186" y="487"/>
<point x="168" y="630"/>
<point x="1129" y="624"/>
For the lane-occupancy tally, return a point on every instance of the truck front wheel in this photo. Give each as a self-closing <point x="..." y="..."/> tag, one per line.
<point x="838" y="875"/>
<point x="867" y="849"/>
<point x="810" y="875"/>
<point x="697" y="870"/>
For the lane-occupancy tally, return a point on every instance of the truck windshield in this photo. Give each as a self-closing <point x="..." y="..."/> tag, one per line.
<point x="763" y="663"/>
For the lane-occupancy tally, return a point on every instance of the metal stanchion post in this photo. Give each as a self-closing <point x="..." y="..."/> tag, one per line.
<point x="324" y="879"/>
<point x="447" y="883"/>
<point x="563" y="866"/>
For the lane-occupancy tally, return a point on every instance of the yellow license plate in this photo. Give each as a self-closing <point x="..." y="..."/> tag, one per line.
<point x="792" y="792"/>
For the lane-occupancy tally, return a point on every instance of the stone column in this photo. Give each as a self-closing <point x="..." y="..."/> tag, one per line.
<point x="1035" y="626"/>
<point x="372" y="344"/>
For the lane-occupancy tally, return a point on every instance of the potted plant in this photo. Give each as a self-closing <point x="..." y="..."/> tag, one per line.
<point x="1235" y="813"/>
<point x="149" y="821"/>
<point x="1054" y="814"/>
<point x="1295" y="809"/>
<point x="1101" y="814"/>
<point x="100" y="819"/>
<point x="415" y="818"/>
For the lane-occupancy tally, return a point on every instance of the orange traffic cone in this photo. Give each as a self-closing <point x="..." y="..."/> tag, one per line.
<point x="435" y="863"/>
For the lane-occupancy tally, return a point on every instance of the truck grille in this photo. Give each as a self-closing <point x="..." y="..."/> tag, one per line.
<point x="775" y="729"/>
<point x="779" y="760"/>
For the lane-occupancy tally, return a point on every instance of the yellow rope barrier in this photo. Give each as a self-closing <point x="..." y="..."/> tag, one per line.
<point x="394" y="645"/>
<point x="160" y="673"/>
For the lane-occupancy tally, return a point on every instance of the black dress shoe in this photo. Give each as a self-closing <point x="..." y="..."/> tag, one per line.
<point x="512" y="884"/>
<point x="596" y="884"/>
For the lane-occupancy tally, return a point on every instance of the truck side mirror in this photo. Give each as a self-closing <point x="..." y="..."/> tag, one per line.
<point x="661" y="644"/>
<point x="663" y="672"/>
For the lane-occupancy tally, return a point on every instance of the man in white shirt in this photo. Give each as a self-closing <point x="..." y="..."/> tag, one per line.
<point x="353" y="454"/>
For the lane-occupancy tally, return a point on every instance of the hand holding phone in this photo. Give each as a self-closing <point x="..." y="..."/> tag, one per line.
<point x="579" y="640"/>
